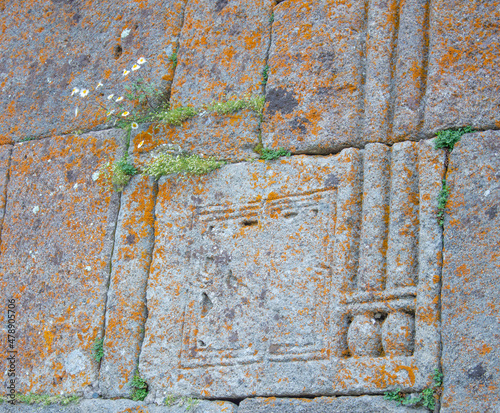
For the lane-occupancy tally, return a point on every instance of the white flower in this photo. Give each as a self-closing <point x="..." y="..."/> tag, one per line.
<point x="141" y="61"/>
<point x="76" y="112"/>
<point x="110" y="112"/>
<point x="134" y="125"/>
<point x="140" y="144"/>
<point x="119" y="99"/>
<point x="135" y="67"/>
<point x="126" y="72"/>
<point x="125" y="113"/>
<point x="99" y="85"/>
<point x="84" y="92"/>
<point x="75" y="90"/>
<point x="111" y="96"/>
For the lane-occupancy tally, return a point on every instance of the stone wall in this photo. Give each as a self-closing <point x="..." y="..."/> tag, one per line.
<point x="317" y="282"/>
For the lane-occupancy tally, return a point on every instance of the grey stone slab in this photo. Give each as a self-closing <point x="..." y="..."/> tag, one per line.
<point x="360" y="404"/>
<point x="50" y="47"/>
<point x="57" y="240"/>
<point x="345" y="74"/>
<point x="222" y="52"/>
<point x="126" y="303"/>
<point x="258" y="285"/>
<point x="121" y="406"/>
<point x="464" y="65"/>
<point x="471" y="287"/>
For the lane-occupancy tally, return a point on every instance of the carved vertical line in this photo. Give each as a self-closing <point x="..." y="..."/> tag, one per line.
<point x="425" y="64"/>
<point x="393" y="81"/>
<point x="373" y="244"/>
<point x="349" y="204"/>
<point x="362" y="70"/>
<point x="402" y="250"/>
<point x="411" y="68"/>
<point x="432" y="170"/>
<point x="383" y="20"/>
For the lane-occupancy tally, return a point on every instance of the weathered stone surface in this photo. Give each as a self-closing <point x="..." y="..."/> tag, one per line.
<point x="121" y="406"/>
<point x="57" y="241"/>
<point x="126" y="303"/>
<point x="345" y="73"/>
<point x="222" y="53"/>
<point x="471" y="285"/>
<point x="361" y="404"/>
<point x="49" y="47"/>
<point x="464" y="65"/>
<point x="5" y="151"/>
<point x="258" y="285"/>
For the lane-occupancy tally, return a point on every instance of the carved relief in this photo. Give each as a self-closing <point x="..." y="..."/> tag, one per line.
<point x="314" y="268"/>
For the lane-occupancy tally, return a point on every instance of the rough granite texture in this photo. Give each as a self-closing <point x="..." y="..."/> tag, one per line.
<point x="346" y="73"/>
<point x="5" y="151"/>
<point x="464" y="65"/>
<point x="360" y="404"/>
<point x="49" y="47"/>
<point x="222" y="52"/>
<point x="126" y="304"/>
<point x="255" y="289"/>
<point x="122" y="406"/>
<point x="56" y="246"/>
<point x="471" y="277"/>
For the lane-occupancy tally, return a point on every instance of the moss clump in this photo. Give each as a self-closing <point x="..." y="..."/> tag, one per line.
<point x="271" y="154"/>
<point x="116" y="175"/>
<point x="183" y="164"/>
<point x="447" y="139"/>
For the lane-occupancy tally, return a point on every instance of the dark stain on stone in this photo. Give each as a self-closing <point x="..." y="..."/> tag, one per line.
<point x="492" y="212"/>
<point x="331" y="181"/>
<point x="219" y="5"/>
<point x="476" y="373"/>
<point x="233" y="337"/>
<point x="57" y="258"/>
<point x="281" y="100"/>
<point x="229" y="313"/>
<point x="36" y="224"/>
<point x="71" y="176"/>
<point x="299" y="123"/>
<point x="130" y="239"/>
<point x="117" y="51"/>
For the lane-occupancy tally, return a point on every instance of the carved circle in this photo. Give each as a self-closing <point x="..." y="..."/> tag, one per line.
<point x="364" y="336"/>
<point x="398" y="334"/>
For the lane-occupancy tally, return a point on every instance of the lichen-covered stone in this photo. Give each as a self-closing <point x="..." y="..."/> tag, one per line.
<point x="345" y="73"/>
<point x="464" y="65"/>
<point x="126" y="303"/>
<point x="123" y="406"/>
<point x="255" y="284"/>
<point x="56" y="249"/>
<point x="222" y="53"/>
<point x="471" y="284"/>
<point x="360" y="404"/>
<point x="50" y="47"/>
<point x="5" y="151"/>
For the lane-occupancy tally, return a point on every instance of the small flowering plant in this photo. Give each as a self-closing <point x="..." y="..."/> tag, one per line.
<point x="141" y="101"/>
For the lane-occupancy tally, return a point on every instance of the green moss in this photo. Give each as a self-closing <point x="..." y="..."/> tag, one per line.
<point x="183" y="164"/>
<point x="98" y="349"/>
<point x="139" y="388"/>
<point x="43" y="399"/>
<point x="448" y="138"/>
<point x="442" y="200"/>
<point x="426" y="397"/>
<point x="271" y="154"/>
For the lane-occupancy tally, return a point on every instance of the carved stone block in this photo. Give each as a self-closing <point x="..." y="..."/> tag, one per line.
<point x="260" y="283"/>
